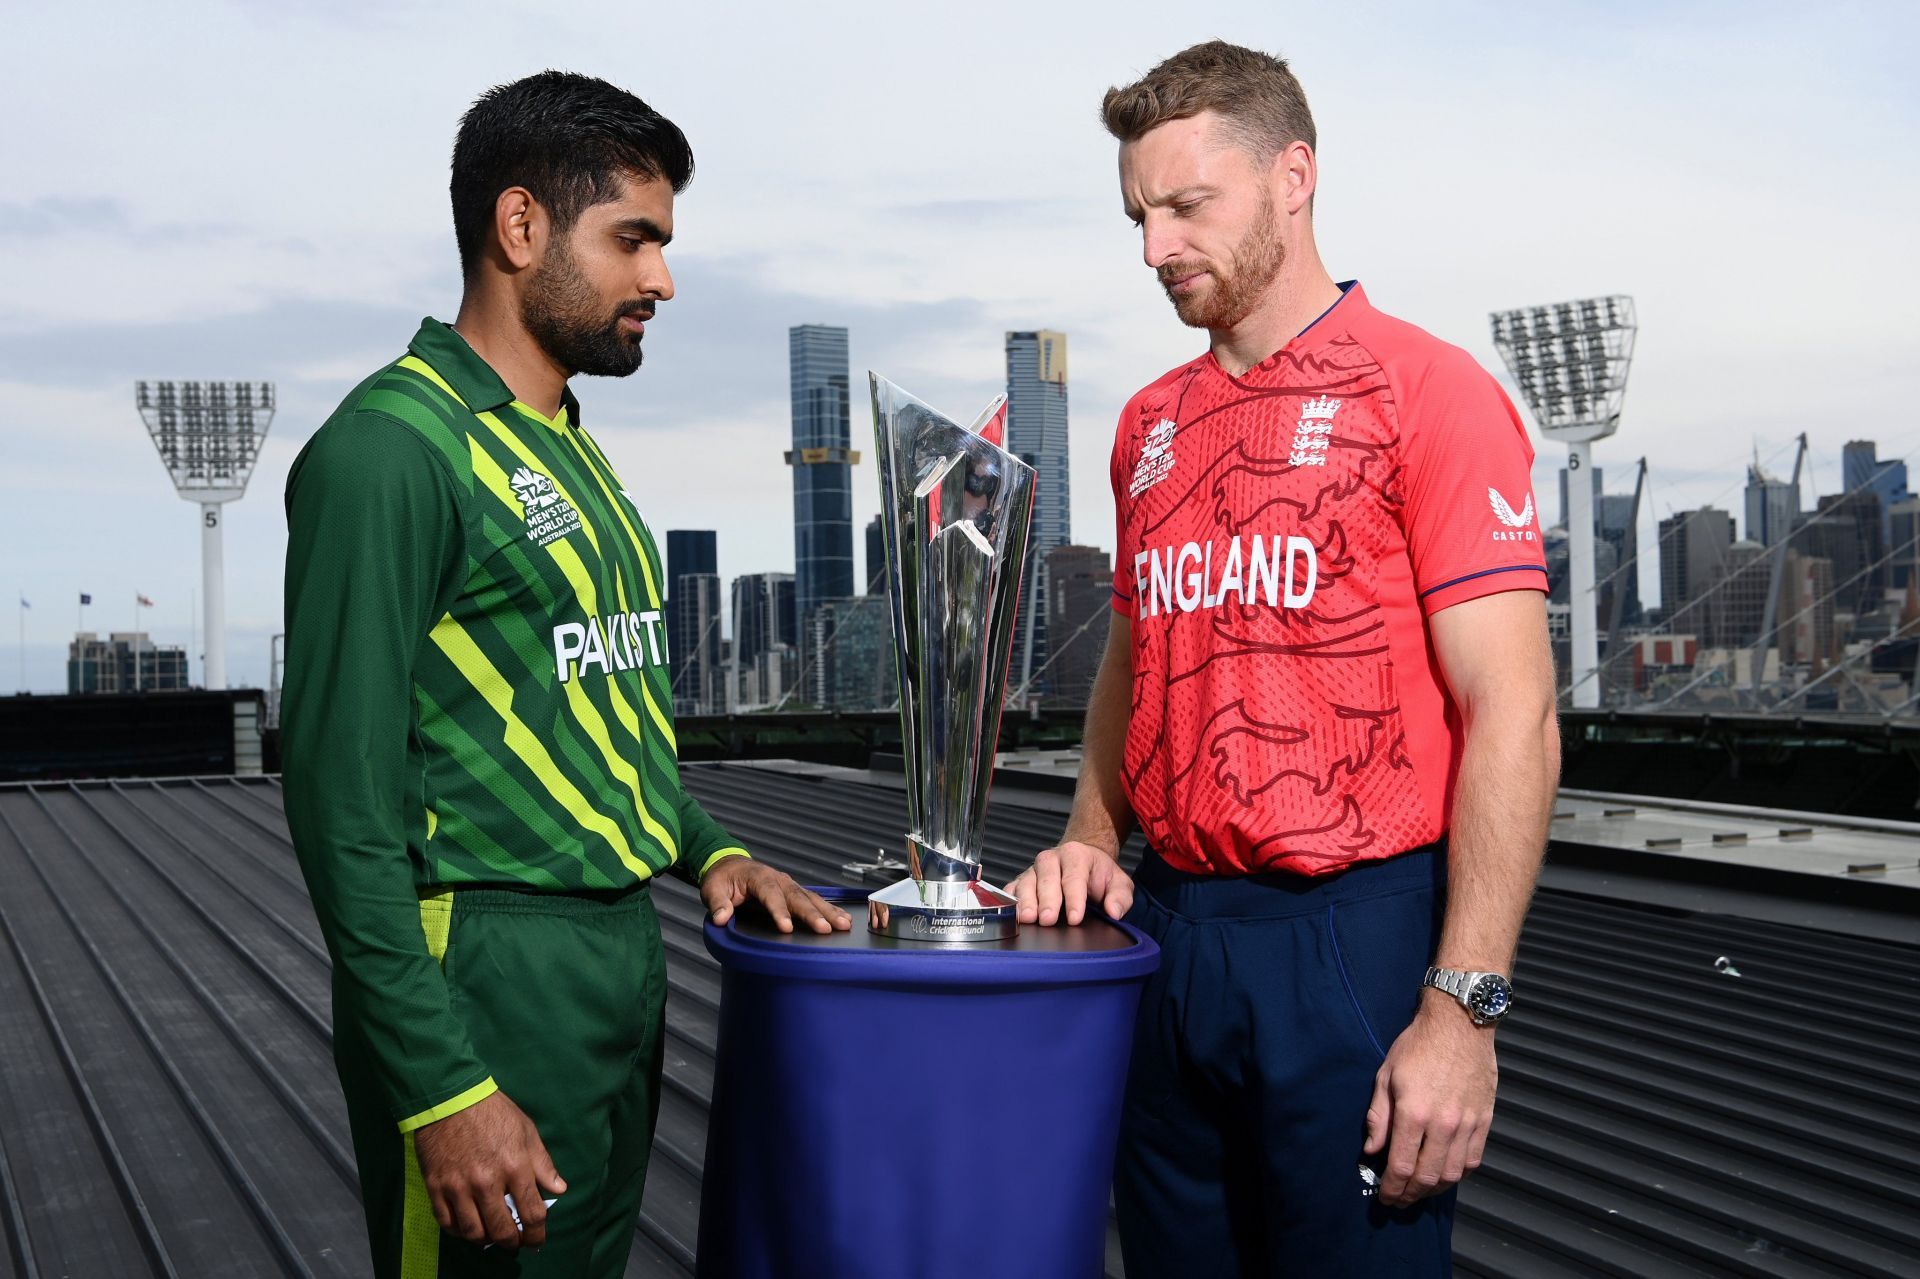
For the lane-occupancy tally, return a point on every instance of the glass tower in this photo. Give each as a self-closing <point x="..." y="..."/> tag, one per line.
<point x="693" y="619"/>
<point x="822" y="466"/>
<point x="1037" y="433"/>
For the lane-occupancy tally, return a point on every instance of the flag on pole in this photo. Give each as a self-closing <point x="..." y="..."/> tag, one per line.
<point x="85" y="598"/>
<point x="23" y="602"/>
<point x="144" y="601"/>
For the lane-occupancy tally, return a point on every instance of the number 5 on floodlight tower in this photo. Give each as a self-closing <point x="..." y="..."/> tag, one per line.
<point x="208" y="435"/>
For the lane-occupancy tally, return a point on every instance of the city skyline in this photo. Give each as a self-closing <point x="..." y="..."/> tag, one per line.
<point x="925" y="229"/>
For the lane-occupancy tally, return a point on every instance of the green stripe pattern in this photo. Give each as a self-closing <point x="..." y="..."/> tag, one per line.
<point x="542" y="694"/>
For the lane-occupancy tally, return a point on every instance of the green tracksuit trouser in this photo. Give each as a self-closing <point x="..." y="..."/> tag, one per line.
<point x="564" y="996"/>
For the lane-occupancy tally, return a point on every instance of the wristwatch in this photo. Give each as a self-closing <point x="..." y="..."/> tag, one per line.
<point x="1487" y="997"/>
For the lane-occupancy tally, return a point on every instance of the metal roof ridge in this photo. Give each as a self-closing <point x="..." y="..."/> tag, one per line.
<point x="1881" y="825"/>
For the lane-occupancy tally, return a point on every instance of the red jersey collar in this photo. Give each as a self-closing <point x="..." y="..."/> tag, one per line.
<point x="1352" y="299"/>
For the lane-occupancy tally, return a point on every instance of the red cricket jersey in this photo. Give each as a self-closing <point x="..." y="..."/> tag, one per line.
<point x="1283" y="536"/>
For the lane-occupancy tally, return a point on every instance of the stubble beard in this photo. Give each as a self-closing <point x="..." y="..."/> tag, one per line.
<point x="1256" y="263"/>
<point x="562" y="312"/>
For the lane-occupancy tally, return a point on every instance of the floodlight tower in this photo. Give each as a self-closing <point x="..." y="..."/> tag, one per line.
<point x="1571" y="360"/>
<point x="208" y="435"/>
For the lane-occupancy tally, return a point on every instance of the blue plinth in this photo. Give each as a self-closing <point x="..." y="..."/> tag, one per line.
<point x="894" y="1109"/>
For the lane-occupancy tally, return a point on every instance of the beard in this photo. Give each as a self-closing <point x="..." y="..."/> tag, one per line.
<point x="1237" y="288"/>
<point x="562" y="311"/>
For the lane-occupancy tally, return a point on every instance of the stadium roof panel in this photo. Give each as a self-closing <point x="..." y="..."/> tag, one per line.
<point x="168" y="1104"/>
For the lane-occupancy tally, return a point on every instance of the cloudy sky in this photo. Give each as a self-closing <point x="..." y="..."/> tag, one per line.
<point x="259" y="191"/>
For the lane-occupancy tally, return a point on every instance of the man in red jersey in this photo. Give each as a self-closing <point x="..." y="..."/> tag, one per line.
<point x="1326" y="701"/>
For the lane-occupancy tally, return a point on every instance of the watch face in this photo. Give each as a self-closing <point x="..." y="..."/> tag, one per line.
<point x="1490" y="997"/>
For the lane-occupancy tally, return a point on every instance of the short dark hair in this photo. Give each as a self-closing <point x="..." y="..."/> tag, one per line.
<point x="1255" y="93"/>
<point x="567" y="138"/>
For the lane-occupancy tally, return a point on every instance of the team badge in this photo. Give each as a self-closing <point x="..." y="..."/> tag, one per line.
<point x="1312" y="433"/>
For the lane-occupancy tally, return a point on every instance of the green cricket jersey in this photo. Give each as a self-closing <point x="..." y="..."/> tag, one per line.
<point x="476" y="693"/>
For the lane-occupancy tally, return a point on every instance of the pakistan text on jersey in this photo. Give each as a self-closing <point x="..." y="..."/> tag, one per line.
<point x="619" y="642"/>
<point x="1195" y="576"/>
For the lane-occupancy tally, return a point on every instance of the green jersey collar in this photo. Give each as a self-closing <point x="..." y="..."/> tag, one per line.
<point x="471" y="377"/>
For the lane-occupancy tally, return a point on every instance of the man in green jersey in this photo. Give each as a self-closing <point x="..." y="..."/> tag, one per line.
<point x="477" y="730"/>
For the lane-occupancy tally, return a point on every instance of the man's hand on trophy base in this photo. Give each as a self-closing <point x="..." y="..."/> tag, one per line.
<point x="739" y="880"/>
<point x="1062" y="880"/>
<point x="474" y="1158"/>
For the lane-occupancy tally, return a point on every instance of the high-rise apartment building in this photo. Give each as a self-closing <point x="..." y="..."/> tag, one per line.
<point x="822" y="462"/>
<point x="1849" y="530"/>
<point x="1079" y="600"/>
<point x="1613" y="518"/>
<point x="765" y="659"/>
<point x="1693" y="556"/>
<point x="1736" y="604"/>
<point x="1806" y="618"/>
<point x="693" y="621"/>
<point x="1037" y="434"/>
<point x="848" y="656"/>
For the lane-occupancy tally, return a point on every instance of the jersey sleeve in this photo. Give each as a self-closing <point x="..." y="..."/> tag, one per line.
<point x="1471" y="522"/>
<point x="373" y="545"/>
<point x="1123" y="548"/>
<point x="704" y="842"/>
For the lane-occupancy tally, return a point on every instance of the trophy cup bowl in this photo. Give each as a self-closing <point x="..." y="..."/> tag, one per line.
<point x="955" y="511"/>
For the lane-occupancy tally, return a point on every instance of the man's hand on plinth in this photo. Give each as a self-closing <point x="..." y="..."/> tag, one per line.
<point x="738" y="880"/>
<point x="1062" y="880"/>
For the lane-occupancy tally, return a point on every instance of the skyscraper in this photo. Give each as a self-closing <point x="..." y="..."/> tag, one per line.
<point x="765" y="644"/>
<point x="1613" y="515"/>
<point x="1693" y="556"/>
<point x="762" y="614"/>
<point x="1772" y="506"/>
<point x="1860" y="465"/>
<point x="1848" y="529"/>
<point x="1080" y="596"/>
<point x="693" y="620"/>
<point x="1037" y="433"/>
<point x="822" y="463"/>
<point x="848" y="664"/>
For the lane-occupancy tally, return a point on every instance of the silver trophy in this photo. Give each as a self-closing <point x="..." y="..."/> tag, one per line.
<point x="954" y="510"/>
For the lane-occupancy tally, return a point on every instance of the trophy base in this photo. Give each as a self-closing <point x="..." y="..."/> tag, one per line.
<point x="937" y="911"/>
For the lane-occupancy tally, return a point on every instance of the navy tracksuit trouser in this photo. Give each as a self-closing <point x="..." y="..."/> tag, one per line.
<point x="1253" y="1063"/>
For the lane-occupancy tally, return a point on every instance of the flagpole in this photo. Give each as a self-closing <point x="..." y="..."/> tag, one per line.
<point x="136" y="642"/>
<point x="23" y="641"/>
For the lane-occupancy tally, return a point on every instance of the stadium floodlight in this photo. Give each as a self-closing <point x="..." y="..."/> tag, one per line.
<point x="208" y="435"/>
<point x="1570" y="360"/>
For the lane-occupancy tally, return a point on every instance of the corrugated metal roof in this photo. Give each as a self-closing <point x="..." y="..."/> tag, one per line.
<point x="168" y="1104"/>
